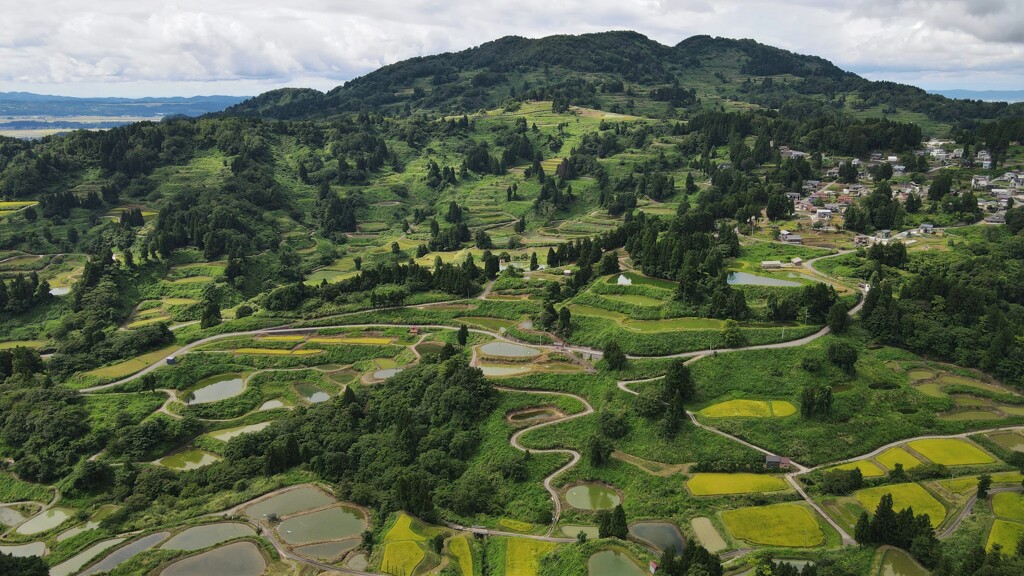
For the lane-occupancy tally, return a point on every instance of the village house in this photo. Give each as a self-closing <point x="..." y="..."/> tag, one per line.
<point x="927" y="228"/>
<point x="771" y="264"/>
<point x="823" y="214"/>
<point x="979" y="182"/>
<point x="773" y="462"/>
<point x="798" y="262"/>
<point x="623" y="281"/>
<point x="995" y="219"/>
<point x="861" y="240"/>
<point x="794" y="239"/>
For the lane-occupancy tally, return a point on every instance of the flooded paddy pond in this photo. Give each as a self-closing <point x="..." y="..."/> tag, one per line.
<point x="229" y="433"/>
<point x="238" y="559"/>
<point x="592" y="497"/>
<point x="188" y="460"/>
<point x="199" y="537"/>
<point x="216" y="388"/>
<point x="613" y="563"/>
<point x="311" y="392"/>
<point x="508" y="350"/>
<point x="290" y="502"/>
<point x="329" y="524"/>
<point x="45" y="521"/>
<point x="126" y="553"/>
<point x="660" y="534"/>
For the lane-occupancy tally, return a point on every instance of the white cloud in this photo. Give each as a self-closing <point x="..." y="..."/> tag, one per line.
<point x="69" y="46"/>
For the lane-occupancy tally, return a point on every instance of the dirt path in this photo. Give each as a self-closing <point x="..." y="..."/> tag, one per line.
<point x="574" y="455"/>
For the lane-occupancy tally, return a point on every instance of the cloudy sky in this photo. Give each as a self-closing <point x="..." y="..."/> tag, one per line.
<point x="187" y="47"/>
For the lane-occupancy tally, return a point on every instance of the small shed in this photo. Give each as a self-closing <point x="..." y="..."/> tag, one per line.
<point x="171" y="360"/>
<point x="772" y="461"/>
<point x="623" y="281"/>
<point x="797" y="261"/>
<point x="927" y="228"/>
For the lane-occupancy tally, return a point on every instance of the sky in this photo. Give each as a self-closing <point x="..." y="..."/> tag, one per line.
<point x="135" y="48"/>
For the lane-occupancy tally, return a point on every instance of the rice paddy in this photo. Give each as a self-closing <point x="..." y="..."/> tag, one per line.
<point x="1010" y="440"/>
<point x="634" y="299"/>
<point x="275" y="352"/>
<point x="522" y="557"/>
<point x="789" y="525"/>
<point x="950" y="451"/>
<point x="129" y="367"/>
<point x="1009" y="506"/>
<point x="867" y="468"/>
<point x="402" y="558"/>
<point x="1005" y="534"/>
<point x="907" y="495"/>
<point x="893" y="456"/>
<point x="750" y="409"/>
<point x="459" y="549"/>
<point x="707" y="484"/>
<point x="708" y="535"/>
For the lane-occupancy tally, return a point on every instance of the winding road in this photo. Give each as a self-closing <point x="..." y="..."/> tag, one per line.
<point x="574" y="456"/>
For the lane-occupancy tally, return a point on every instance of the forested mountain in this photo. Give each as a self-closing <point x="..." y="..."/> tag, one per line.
<point x="618" y="71"/>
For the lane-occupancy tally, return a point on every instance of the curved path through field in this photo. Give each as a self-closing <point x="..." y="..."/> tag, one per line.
<point x="515" y="440"/>
<point x="574" y="455"/>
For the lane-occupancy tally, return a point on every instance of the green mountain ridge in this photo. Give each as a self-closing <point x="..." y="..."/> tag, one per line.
<point x="616" y="70"/>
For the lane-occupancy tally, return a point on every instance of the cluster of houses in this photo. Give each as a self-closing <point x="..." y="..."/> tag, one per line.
<point x="939" y="150"/>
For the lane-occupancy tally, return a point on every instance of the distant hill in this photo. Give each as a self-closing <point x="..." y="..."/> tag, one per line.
<point x="620" y="72"/>
<point x="20" y="104"/>
<point x="984" y="95"/>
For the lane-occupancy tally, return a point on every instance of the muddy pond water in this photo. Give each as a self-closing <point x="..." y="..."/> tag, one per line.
<point x="592" y="497"/>
<point x="216" y="388"/>
<point x="126" y="553"/>
<point x="613" y="563"/>
<point x="238" y="559"/>
<point x="188" y="459"/>
<point x="229" y="433"/>
<point x="747" y="279"/>
<point x="75" y="563"/>
<point x="290" y="502"/>
<point x="329" y="524"/>
<point x="45" y="521"/>
<point x="328" y="550"/>
<point x="899" y="563"/>
<point x="311" y="392"/>
<point x="199" y="537"/>
<point x="660" y="534"/>
<point x="508" y="350"/>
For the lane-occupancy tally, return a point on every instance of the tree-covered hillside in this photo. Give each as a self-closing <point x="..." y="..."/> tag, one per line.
<point x="620" y="72"/>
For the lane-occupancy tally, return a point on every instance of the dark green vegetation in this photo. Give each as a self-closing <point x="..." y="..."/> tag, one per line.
<point x="590" y="196"/>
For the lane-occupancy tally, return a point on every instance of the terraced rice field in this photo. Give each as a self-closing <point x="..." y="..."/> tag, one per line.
<point x="132" y="366"/>
<point x="908" y="495"/>
<point x="867" y="468"/>
<point x="893" y="456"/>
<point x="749" y="409"/>
<point x="673" y="324"/>
<point x="402" y="558"/>
<point x="459" y="548"/>
<point x="706" y="484"/>
<point x="1009" y="440"/>
<point x="789" y="525"/>
<point x="634" y="299"/>
<point x="522" y="557"/>
<point x="515" y="525"/>
<point x="274" y="352"/>
<point x="1005" y="534"/>
<point x="969" y="483"/>
<point x="950" y="452"/>
<point x="358" y="340"/>
<point x="1009" y="506"/>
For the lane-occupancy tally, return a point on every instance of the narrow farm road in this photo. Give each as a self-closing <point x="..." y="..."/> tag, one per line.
<point x="969" y="509"/>
<point x="574" y="455"/>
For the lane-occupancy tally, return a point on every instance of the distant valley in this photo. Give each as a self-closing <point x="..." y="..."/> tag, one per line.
<point x="27" y="115"/>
